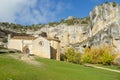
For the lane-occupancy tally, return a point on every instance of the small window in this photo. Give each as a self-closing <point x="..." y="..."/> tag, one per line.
<point x="41" y="43"/>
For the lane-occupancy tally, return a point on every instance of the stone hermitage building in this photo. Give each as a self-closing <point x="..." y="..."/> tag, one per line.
<point x="40" y="46"/>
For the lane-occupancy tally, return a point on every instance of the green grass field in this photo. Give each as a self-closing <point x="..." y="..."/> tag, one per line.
<point x="13" y="69"/>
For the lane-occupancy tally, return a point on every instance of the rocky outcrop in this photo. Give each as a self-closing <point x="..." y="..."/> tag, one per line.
<point x="103" y="16"/>
<point x="67" y="34"/>
<point x="104" y="27"/>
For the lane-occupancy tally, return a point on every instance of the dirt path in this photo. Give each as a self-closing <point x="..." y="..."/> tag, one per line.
<point x="30" y="60"/>
<point x="26" y="58"/>
<point x="94" y="66"/>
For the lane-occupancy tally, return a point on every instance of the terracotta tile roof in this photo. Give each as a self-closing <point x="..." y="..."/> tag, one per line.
<point x="53" y="39"/>
<point x="24" y="37"/>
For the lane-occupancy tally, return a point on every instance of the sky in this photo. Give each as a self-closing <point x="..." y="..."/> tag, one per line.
<point x="28" y="12"/>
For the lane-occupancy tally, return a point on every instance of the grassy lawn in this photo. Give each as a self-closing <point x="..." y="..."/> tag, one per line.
<point x="13" y="69"/>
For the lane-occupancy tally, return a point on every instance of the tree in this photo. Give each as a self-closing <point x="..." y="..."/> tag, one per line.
<point x="73" y="56"/>
<point x="98" y="55"/>
<point x="114" y="4"/>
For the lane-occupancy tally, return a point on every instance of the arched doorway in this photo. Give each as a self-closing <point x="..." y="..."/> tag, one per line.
<point x="26" y="50"/>
<point x="53" y="53"/>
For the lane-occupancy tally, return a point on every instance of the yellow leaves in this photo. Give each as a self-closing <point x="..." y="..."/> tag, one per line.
<point x="101" y="54"/>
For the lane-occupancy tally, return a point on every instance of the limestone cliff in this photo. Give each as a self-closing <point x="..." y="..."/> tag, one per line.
<point x="104" y="27"/>
<point x="67" y="34"/>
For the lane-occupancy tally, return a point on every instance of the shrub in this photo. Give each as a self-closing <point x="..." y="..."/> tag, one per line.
<point x="63" y="57"/>
<point x="98" y="55"/>
<point x="107" y="57"/>
<point x="69" y="22"/>
<point x="5" y="40"/>
<point x="73" y="56"/>
<point x="86" y="58"/>
<point x="84" y="22"/>
<point x="53" y="23"/>
<point x="114" y="4"/>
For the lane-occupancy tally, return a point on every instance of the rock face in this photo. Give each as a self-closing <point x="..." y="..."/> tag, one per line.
<point x="103" y="16"/>
<point x="67" y="34"/>
<point x="104" y="27"/>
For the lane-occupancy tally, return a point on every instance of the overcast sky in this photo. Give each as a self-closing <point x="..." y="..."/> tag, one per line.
<point x="27" y="12"/>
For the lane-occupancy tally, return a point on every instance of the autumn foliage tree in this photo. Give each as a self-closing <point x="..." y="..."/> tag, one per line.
<point x="73" y="56"/>
<point x="98" y="55"/>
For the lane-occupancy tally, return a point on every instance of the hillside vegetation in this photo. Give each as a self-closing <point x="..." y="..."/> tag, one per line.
<point x="15" y="69"/>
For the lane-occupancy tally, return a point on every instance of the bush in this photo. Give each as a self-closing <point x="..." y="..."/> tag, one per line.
<point x="107" y="58"/>
<point x="84" y="22"/>
<point x="98" y="55"/>
<point x="86" y="57"/>
<point x="63" y="57"/>
<point x="70" y="22"/>
<point x="53" y="23"/>
<point x="5" y="40"/>
<point x="73" y="56"/>
<point x="114" y="4"/>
